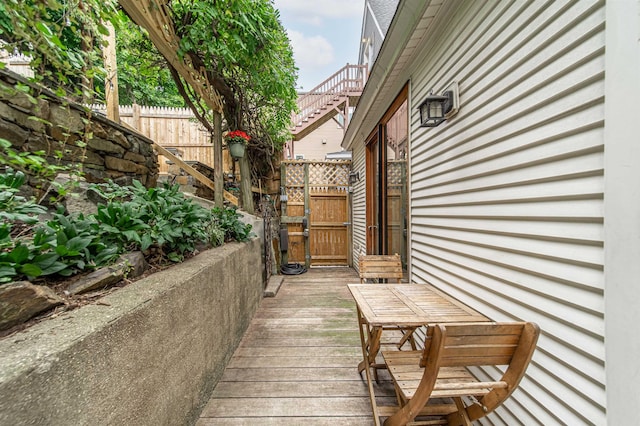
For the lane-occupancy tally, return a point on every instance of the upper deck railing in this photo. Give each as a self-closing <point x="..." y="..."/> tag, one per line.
<point x="349" y="81"/>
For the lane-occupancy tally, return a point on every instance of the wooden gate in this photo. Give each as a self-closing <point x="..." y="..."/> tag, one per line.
<point x="315" y="209"/>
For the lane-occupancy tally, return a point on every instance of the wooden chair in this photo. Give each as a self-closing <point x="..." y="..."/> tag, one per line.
<point x="386" y="267"/>
<point x="380" y="266"/>
<point x="439" y="372"/>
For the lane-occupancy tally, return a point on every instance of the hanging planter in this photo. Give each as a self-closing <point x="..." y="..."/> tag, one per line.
<point x="237" y="143"/>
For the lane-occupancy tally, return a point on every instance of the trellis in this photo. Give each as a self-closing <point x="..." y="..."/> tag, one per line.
<point x="154" y="16"/>
<point x="323" y="177"/>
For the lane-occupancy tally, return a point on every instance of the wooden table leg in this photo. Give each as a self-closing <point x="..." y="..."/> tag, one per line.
<point x="365" y="365"/>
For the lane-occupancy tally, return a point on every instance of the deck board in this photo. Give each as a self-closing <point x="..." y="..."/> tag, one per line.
<point x="297" y="362"/>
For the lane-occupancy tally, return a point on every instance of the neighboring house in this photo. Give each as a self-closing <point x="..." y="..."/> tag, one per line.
<point x="526" y="203"/>
<point x="324" y="113"/>
<point x="375" y="23"/>
<point x="323" y="139"/>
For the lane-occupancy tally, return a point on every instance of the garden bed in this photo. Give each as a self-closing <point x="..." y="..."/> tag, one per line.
<point x="150" y="353"/>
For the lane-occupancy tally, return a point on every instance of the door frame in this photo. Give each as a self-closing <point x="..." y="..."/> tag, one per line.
<point x="376" y="188"/>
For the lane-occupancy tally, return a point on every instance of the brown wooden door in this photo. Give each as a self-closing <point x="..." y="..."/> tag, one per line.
<point x="317" y="211"/>
<point x="329" y="229"/>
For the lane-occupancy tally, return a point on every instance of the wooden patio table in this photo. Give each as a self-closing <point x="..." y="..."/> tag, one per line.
<point x="404" y="305"/>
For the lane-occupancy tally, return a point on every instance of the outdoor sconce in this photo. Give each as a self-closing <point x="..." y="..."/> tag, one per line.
<point x="434" y="109"/>
<point x="437" y="108"/>
<point x="354" y="177"/>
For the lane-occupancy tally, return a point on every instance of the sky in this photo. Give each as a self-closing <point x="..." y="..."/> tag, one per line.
<point x="324" y="34"/>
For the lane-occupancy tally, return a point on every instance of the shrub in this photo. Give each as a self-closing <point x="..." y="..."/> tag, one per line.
<point x="161" y="220"/>
<point x="229" y="221"/>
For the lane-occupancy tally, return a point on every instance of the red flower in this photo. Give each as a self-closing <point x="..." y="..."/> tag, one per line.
<point x="237" y="134"/>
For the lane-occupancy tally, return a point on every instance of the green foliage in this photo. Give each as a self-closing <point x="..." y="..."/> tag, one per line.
<point x="65" y="245"/>
<point x="13" y="207"/>
<point x="229" y="221"/>
<point x="162" y="218"/>
<point x="33" y="163"/>
<point x="159" y="217"/>
<point x="143" y="75"/>
<point x="249" y="58"/>
<point x="61" y="36"/>
<point x="133" y="218"/>
<point x="14" y="210"/>
<point x="37" y="167"/>
<point x="240" y="43"/>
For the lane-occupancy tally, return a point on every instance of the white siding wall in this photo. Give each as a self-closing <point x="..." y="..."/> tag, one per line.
<point x="507" y="196"/>
<point x="358" y="219"/>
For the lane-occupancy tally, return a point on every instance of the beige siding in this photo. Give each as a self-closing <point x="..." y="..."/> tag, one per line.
<point x="312" y="146"/>
<point x="507" y="196"/>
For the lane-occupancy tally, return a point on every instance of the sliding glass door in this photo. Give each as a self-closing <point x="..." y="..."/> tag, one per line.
<point x="387" y="200"/>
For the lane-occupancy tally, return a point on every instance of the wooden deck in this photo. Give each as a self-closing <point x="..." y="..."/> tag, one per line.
<point x="297" y="363"/>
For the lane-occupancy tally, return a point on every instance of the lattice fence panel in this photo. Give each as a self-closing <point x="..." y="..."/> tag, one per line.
<point x="324" y="176"/>
<point x="295" y="182"/>
<point x="329" y="176"/>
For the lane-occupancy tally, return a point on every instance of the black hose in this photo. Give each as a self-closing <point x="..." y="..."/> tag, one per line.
<point x="293" y="269"/>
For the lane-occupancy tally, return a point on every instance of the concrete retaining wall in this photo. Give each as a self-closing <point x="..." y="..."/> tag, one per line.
<point x="148" y="354"/>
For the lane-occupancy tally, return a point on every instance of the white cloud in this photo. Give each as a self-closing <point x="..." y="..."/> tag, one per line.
<point x="315" y="11"/>
<point x="313" y="51"/>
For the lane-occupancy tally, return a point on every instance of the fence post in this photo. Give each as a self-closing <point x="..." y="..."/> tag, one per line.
<point x="307" y="215"/>
<point x="217" y="159"/>
<point x="245" y="184"/>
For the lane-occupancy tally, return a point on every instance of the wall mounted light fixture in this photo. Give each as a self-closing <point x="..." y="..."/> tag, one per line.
<point x="437" y="108"/>
<point x="354" y="177"/>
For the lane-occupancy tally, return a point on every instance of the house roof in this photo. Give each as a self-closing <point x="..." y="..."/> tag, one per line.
<point x="340" y="155"/>
<point x="411" y="25"/>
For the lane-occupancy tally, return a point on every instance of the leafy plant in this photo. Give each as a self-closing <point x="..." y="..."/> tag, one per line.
<point x="33" y="163"/>
<point x="65" y="245"/>
<point x="62" y="39"/>
<point x="13" y="207"/>
<point x="76" y="241"/>
<point x="229" y="221"/>
<point x="160" y="218"/>
<point x="133" y="218"/>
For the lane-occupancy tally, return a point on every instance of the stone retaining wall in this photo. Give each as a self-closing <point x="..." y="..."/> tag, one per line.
<point x="42" y="121"/>
<point x="149" y="354"/>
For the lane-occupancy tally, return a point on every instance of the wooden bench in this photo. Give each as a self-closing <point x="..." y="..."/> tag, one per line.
<point x="440" y="372"/>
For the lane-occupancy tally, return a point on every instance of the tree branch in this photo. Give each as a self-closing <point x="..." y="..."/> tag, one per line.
<point x="187" y="99"/>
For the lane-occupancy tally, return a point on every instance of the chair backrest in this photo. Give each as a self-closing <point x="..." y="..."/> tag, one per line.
<point x="375" y="266"/>
<point x="479" y="344"/>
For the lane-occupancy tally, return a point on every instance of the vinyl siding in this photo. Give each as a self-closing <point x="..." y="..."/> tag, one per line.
<point x="311" y="146"/>
<point x="359" y="204"/>
<point x="507" y="196"/>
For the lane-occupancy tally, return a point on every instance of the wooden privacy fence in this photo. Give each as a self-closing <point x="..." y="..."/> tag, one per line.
<point x="316" y="211"/>
<point x="172" y="128"/>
